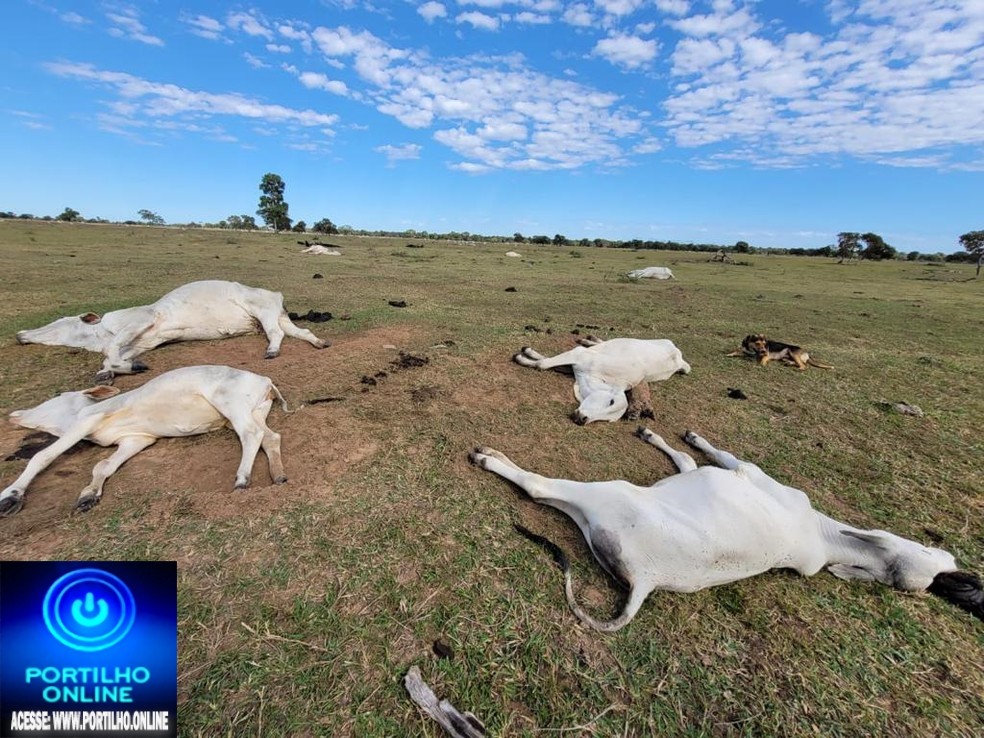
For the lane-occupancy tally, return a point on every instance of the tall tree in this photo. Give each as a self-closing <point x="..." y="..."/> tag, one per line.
<point x="973" y="242"/>
<point x="151" y="217"/>
<point x="848" y="245"/>
<point x="70" y="215"/>
<point x="324" y="226"/>
<point x="273" y="208"/>
<point x="875" y="248"/>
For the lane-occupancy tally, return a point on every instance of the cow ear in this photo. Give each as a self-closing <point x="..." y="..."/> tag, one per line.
<point x="873" y="538"/>
<point x="101" y="392"/>
<point x="90" y="318"/>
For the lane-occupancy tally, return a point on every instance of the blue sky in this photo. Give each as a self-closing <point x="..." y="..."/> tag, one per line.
<point x="777" y="122"/>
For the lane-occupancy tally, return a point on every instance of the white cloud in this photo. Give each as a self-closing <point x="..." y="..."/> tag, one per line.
<point x="126" y="24"/>
<point x="204" y="26"/>
<point x="631" y="52"/>
<point x="318" y="81"/>
<point x="479" y="20"/>
<point x="578" y="14"/>
<point x="532" y="19"/>
<point x="618" y="7"/>
<point x="674" y="7"/>
<point x="74" y="18"/>
<point x="493" y="112"/>
<point x="399" y="153"/>
<point x="278" y="48"/>
<point x="896" y="81"/>
<point x="255" y="61"/>
<point x="142" y="104"/>
<point x="296" y="34"/>
<point x="250" y="24"/>
<point x="430" y="11"/>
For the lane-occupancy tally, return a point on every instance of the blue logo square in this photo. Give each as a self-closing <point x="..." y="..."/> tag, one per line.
<point x="88" y="648"/>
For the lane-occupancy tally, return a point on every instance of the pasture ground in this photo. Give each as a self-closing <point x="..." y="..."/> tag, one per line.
<point x="303" y="605"/>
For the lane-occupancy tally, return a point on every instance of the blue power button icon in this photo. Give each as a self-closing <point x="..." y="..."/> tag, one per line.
<point x="89" y="609"/>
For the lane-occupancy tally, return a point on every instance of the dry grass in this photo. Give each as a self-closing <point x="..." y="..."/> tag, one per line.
<point x="302" y="606"/>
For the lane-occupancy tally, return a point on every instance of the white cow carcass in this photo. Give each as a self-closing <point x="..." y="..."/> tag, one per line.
<point x="183" y="402"/>
<point x="197" y="311"/>
<point x="513" y="254"/>
<point x="605" y="370"/>
<point x="317" y="248"/>
<point x="652" y="273"/>
<point x="708" y="526"/>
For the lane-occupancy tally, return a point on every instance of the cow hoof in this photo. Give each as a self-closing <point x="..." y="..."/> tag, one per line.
<point x="324" y="344"/>
<point x="85" y="504"/>
<point x="138" y="366"/>
<point x="642" y="431"/>
<point x="690" y="437"/>
<point x="271" y="355"/>
<point x="477" y="456"/>
<point x="105" y="377"/>
<point x="11" y="506"/>
<point x="280" y="480"/>
<point x="241" y="484"/>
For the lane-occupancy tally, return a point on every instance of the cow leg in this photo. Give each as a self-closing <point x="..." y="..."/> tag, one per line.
<point x="684" y="461"/>
<point x="270" y="323"/>
<point x="576" y="499"/>
<point x="721" y="458"/>
<point x="302" y="333"/>
<point x="12" y="498"/>
<point x="121" y="352"/>
<point x="251" y="436"/>
<point x="127" y="448"/>
<point x="589" y="340"/>
<point x="529" y="357"/>
<point x="270" y="444"/>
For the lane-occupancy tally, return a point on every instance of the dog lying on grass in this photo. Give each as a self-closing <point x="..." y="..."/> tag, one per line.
<point x="765" y="350"/>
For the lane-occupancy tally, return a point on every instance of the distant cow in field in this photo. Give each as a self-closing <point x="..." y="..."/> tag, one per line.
<point x="317" y="248"/>
<point x="513" y="253"/>
<point x="605" y="370"/>
<point x="198" y="311"/>
<point x="183" y="402"/>
<point x="708" y="526"/>
<point x="652" y="273"/>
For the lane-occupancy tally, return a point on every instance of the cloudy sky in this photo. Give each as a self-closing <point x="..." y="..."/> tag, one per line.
<point x="777" y="122"/>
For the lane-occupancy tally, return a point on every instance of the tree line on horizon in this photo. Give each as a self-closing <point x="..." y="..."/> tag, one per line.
<point x="274" y="210"/>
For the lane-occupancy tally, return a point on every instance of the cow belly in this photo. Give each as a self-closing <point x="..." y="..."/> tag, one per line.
<point x="173" y="417"/>
<point x="205" y="328"/>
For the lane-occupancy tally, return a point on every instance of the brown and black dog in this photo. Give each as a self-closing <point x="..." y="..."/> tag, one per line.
<point x="765" y="351"/>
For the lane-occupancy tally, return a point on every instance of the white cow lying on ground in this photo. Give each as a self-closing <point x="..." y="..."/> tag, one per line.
<point x="317" y="248"/>
<point x="708" y="526"/>
<point x="605" y="370"/>
<point x="183" y="402"/>
<point x="198" y="311"/>
<point x="652" y="273"/>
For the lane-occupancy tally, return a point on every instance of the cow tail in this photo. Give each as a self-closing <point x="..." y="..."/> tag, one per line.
<point x="636" y="595"/>
<point x="283" y="402"/>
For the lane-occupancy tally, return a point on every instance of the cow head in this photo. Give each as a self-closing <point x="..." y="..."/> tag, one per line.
<point x="604" y="402"/>
<point x="79" y="331"/>
<point x="890" y="559"/>
<point x="58" y="414"/>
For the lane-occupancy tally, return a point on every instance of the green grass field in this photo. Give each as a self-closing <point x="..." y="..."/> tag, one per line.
<point x="302" y="606"/>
